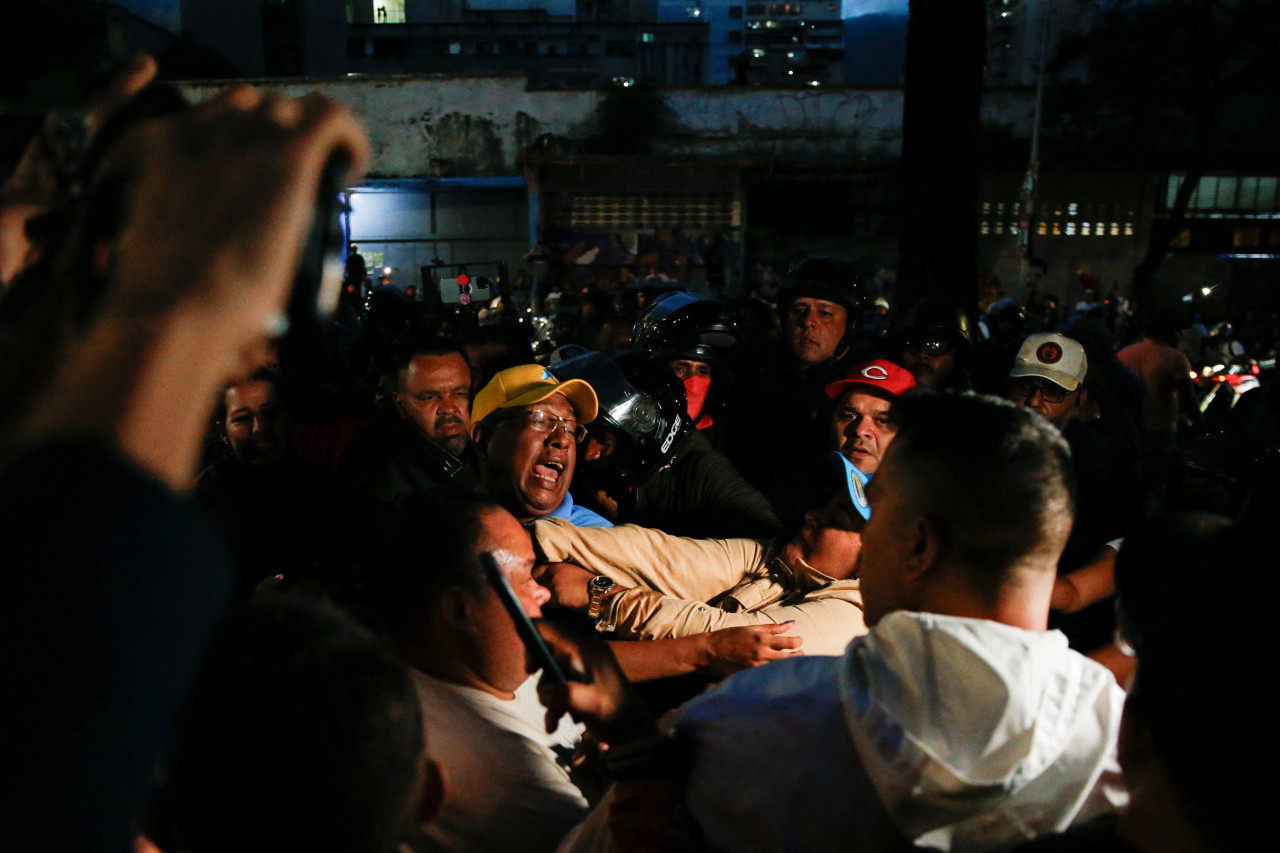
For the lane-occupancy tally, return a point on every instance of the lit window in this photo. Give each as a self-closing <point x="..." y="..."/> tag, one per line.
<point x="1100" y="229"/>
<point x="1073" y="209"/>
<point x="1071" y="229"/>
<point x="646" y="38"/>
<point x="1000" y="208"/>
<point x="984" y="227"/>
<point x="455" y="48"/>
<point x="388" y="11"/>
<point x="1115" y="229"/>
<point x="986" y="208"/>
<point x="1085" y="229"/>
<point x="1042" y="228"/>
<point x="693" y="12"/>
<point x="1128" y="229"/>
<point x="999" y="226"/>
<point x="1057" y="229"/>
<point x="757" y="53"/>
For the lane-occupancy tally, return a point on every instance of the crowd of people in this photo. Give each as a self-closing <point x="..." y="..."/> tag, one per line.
<point x="815" y="576"/>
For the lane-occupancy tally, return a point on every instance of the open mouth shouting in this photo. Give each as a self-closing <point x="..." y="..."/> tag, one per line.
<point x="548" y="472"/>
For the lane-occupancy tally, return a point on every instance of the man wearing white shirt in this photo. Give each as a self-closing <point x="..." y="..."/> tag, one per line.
<point x="508" y="782"/>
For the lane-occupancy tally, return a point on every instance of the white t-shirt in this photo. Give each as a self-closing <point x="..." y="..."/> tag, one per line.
<point x="507" y="787"/>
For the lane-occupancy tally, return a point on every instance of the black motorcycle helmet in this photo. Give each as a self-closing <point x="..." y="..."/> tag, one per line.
<point x="827" y="278"/>
<point x="641" y="399"/>
<point x="938" y="318"/>
<point x="684" y="325"/>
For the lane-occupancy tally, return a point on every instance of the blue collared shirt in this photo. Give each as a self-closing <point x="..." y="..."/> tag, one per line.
<point x="578" y="516"/>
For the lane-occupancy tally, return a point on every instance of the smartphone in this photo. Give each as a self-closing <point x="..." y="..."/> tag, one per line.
<point x="319" y="280"/>
<point x="524" y="625"/>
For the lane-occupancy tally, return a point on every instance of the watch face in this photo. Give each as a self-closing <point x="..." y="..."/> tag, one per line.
<point x="601" y="584"/>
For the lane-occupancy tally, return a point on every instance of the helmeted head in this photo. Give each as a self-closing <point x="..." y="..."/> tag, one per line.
<point x="818" y="306"/>
<point x="932" y="341"/>
<point x="642" y="413"/>
<point x="698" y="337"/>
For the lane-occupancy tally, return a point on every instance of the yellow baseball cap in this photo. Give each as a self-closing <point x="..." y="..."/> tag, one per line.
<point x="528" y="384"/>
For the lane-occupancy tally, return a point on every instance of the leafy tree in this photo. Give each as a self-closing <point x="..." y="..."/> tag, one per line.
<point x="630" y="116"/>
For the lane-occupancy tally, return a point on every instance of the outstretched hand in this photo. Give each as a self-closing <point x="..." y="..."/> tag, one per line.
<point x="596" y="694"/>
<point x="732" y="649"/>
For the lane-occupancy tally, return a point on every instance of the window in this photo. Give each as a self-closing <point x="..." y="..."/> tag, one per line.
<point x="455" y="48"/>
<point x="735" y="37"/>
<point x="1073" y="209"/>
<point x="646" y="38"/>
<point x="1071" y="229"/>
<point x="388" y="11"/>
<point x="757" y="10"/>
<point x="693" y="13"/>
<point x="1244" y="238"/>
<point x="735" y="13"/>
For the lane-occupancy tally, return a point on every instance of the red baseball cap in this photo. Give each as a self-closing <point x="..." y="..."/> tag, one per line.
<point x="878" y="377"/>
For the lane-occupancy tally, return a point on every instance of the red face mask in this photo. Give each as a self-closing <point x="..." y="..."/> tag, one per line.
<point x="695" y="392"/>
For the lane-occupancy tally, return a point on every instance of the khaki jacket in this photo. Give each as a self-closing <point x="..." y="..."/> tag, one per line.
<point x="674" y="587"/>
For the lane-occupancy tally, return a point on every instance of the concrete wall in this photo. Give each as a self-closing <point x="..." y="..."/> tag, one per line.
<point x="479" y="126"/>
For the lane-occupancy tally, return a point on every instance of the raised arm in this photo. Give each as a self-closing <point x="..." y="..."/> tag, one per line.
<point x="220" y="198"/>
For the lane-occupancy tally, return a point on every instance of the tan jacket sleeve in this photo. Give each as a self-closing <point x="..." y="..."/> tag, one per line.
<point x="694" y="569"/>
<point x="825" y="624"/>
<point x="670" y="580"/>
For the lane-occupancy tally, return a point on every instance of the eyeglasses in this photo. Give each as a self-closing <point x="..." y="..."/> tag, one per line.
<point x="933" y="347"/>
<point x="1026" y="387"/>
<point x="540" y="421"/>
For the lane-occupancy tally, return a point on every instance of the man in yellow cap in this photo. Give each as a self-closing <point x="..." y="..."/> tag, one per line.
<point x="526" y="428"/>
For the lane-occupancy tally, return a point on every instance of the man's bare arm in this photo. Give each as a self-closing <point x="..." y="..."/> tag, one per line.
<point x="715" y="653"/>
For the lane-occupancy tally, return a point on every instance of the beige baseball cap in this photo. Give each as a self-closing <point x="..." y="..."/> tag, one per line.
<point x="1055" y="357"/>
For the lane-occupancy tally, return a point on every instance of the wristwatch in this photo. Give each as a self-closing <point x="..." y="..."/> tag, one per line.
<point x="598" y="587"/>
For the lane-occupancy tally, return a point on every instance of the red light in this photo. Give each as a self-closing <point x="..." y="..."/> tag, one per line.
<point x="1255" y="370"/>
<point x="463" y="279"/>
